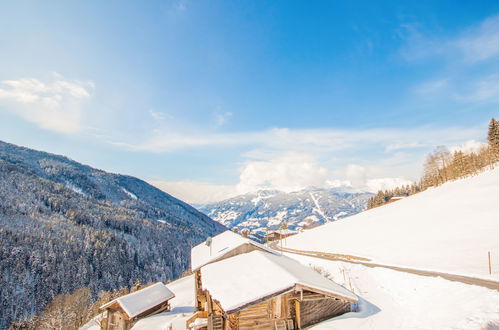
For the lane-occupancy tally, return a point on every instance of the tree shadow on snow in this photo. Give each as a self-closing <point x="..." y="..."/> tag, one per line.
<point x="182" y="309"/>
<point x="492" y="326"/>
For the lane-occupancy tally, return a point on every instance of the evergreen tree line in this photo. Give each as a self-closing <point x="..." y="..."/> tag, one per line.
<point x="66" y="227"/>
<point x="441" y="166"/>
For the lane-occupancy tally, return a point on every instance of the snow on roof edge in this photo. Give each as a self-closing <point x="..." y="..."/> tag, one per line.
<point x="299" y="281"/>
<point x="279" y="273"/>
<point x="125" y="306"/>
<point x="260" y="300"/>
<point x="242" y="241"/>
<point x="286" y="290"/>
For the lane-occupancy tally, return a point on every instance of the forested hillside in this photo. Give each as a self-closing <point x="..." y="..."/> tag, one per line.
<point x="442" y="166"/>
<point x="64" y="226"/>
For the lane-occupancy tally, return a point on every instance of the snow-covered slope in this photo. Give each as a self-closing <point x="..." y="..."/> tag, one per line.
<point x="450" y="228"/>
<point x="267" y="209"/>
<point x="391" y="299"/>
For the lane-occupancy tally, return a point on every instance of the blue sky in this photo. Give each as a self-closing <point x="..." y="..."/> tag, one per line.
<point x="208" y="99"/>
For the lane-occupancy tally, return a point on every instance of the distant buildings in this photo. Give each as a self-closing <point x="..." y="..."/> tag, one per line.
<point x="279" y="234"/>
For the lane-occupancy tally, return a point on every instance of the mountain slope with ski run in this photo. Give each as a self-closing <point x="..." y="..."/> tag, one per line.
<point x="450" y="228"/>
<point x="267" y="209"/>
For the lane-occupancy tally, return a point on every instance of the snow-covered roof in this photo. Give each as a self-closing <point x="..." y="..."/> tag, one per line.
<point x="139" y="301"/>
<point x="221" y="244"/>
<point x="182" y="308"/>
<point x="247" y="278"/>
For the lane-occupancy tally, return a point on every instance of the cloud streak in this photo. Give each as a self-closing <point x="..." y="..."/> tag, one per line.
<point x="290" y="160"/>
<point x="470" y="74"/>
<point x="54" y="105"/>
<point x="480" y="42"/>
<point x="306" y="140"/>
<point x="477" y="43"/>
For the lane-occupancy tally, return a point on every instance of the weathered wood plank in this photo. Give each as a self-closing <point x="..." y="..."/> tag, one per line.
<point x="316" y="311"/>
<point x="298" y="313"/>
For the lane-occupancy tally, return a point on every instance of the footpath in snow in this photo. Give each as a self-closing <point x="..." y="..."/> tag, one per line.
<point x="449" y="229"/>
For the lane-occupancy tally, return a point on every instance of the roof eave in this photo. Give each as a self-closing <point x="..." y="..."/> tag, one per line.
<point x="260" y="300"/>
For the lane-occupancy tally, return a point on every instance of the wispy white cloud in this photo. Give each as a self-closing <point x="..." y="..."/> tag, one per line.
<point x="196" y="192"/>
<point x="158" y="116"/>
<point x="469" y="73"/>
<point x="221" y="118"/>
<point x="288" y="173"/>
<point x="463" y="89"/>
<point x="53" y="105"/>
<point x="483" y="89"/>
<point x="479" y="42"/>
<point x="433" y="88"/>
<point x="180" y="5"/>
<point x="305" y="140"/>
<point x="400" y="146"/>
<point x="291" y="160"/>
<point x="468" y="146"/>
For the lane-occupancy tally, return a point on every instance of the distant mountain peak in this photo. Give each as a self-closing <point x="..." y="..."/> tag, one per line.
<point x="266" y="209"/>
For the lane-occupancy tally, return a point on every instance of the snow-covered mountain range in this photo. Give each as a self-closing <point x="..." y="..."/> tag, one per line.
<point x="267" y="209"/>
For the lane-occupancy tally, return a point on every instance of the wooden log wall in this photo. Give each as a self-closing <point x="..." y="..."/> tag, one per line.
<point x="264" y="315"/>
<point x="257" y="317"/>
<point x="315" y="311"/>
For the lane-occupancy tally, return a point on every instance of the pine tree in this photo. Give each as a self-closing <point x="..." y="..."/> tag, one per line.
<point x="493" y="138"/>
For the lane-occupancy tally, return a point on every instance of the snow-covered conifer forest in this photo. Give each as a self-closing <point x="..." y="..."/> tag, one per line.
<point x="66" y="226"/>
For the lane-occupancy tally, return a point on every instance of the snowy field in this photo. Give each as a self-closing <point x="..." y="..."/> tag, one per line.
<point x="449" y="229"/>
<point x="397" y="300"/>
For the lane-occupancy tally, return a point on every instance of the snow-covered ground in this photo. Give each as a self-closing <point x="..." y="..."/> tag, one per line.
<point x="395" y="300"/>
<point x="388" y="300"/>
<point x="450" y="229"/>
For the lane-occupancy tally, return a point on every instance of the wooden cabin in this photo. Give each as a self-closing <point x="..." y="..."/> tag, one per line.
<point x="225" y="245"/>
<point x="277" y="235"/>
<point x="121" y="313"/>
<point x="260" y="290"/>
